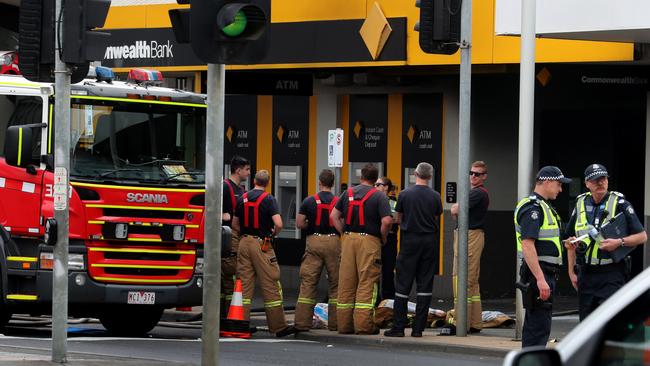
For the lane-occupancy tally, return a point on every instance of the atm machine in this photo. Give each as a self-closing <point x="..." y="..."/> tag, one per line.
<point x="246" y="184"/>
<point x="409" y="178"/>
<point x="355" y="171"/>
<point x="288" y="182"/>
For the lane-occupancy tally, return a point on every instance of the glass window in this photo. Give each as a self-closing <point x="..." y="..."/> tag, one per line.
<point x="627" y="336"/>
<point x="138" y="141"/>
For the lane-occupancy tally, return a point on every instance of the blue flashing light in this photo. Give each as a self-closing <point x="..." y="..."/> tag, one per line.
<point x="104" y="74"/>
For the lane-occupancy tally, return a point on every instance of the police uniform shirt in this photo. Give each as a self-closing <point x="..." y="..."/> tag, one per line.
<point x="593" y="210"/>
<point x="267" y="209"/>
<point x="420" y="207"/>
<point x="375" y="208"/>
<point x="308" y="208"/>
<point x="479" y="200"/>
<point x="227" y="199"/>
<point x="530" y="218"/>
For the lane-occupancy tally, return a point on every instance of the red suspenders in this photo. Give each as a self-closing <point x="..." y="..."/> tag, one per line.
<point x="233" y="200"/>
<point x="320" y="207"/>
<point x="358" y="203"/>
<point x="256" y="209"/>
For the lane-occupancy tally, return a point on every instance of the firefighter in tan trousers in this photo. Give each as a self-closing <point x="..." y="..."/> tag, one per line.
<point x="363" y="216"/>
<point x="240" y="170"/>
<point x="479" y="200"/>
<point x="257" y="219"/>
<point x="323" y="249"/>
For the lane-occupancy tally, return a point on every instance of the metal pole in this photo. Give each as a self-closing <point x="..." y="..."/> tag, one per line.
<point x="526" y="124"/>
<point x="214" y="136"/>
<point x="465" y="101"/>
<point x="61" y="198"/>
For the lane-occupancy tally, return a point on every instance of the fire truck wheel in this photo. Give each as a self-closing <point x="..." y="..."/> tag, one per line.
<point x="131" y="320"/>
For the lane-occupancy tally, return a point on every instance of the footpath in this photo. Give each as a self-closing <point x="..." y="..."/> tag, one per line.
<point x="490" y="342"/>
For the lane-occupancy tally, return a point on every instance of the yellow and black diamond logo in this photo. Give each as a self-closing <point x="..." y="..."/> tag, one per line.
<point x="280" y="134"/>
<point x="410" y="134"/>
<point x="358" y="127"/>
<point x="229" y="133"/>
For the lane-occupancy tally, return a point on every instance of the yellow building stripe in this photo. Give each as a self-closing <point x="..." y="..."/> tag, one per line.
<point x="344" y="102"/>
<point x="394" y="152"/>
<point x="22" y="297"/>
<point x="134" y="280"/>
<point x="312" y="175"/>
<point x="197" y="82"/>
<point x="138" y="250"/>
<point x="265" y="136"/>
<point x="139" y="266"/>
<point x="283" y="11"/>
<point x="129" y="188"/>
<point x="127" y="100"/>
<point x="98" y="205"/>
<point x="22" y="259"/>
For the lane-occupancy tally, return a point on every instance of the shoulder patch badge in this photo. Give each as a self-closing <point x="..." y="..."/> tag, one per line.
<point x="534" y="215"/>
<point x="630" y="210"/>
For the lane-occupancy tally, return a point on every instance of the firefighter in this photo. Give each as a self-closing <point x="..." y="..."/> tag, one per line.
<point x="257" y="219"/>
<point x="363" y="217"/>
<point x="537" y="231"/>
<point x="323" y="249"/>
<point x="418" y="210"/>
<point x="598" y="275"/>
<point x="240" y="170"/>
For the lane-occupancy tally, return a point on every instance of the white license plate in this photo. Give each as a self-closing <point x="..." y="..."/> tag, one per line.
<point x="141" y="298"/>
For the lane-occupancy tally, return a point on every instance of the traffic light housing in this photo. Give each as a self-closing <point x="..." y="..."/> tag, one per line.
<point x="439" y="26"/>
<point x="82" y="44"/>
<point x="223" y="31"/>
<point x="79" y="42"/>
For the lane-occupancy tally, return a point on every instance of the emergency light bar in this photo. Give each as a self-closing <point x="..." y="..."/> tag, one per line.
<point x="101" y="73"/>
<point x="144" y="76"/>
<point x="9" y="63"/>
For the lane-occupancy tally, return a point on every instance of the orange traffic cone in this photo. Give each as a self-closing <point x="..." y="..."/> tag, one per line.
<point x="235" y="326"/>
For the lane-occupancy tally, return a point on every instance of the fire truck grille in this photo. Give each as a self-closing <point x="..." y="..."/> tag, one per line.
<point x="145" y="214"/>
<point x="141" y="272"/>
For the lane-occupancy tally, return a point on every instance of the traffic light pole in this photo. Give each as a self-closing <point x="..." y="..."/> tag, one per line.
<point x="214" y="139"/>
<point x="463" y="162"/>
<point x="526" y="126"/>
<point x="61" y="197"/>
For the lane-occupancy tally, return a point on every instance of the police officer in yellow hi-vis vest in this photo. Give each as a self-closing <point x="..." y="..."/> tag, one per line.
<point x="537" y="228"/>
<point x="597" y="275"/>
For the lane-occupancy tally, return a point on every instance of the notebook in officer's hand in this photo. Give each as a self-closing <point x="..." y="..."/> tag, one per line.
<point x="616" y="228"/>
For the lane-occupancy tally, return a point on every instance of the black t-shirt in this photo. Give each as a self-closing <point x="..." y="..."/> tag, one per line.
<point x="228" y="206"/>
<point x="420" y="207"/>
<point x="479" y="200"/>
<point x="593" y="210"/>
<point x="375" y="208"/>
<point x="530" y="218"/>
<point x="267" y="209"/>
<point x="308" y="208"/>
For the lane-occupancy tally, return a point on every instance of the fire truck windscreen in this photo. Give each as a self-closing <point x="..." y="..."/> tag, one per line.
<point x="138" y="141"/>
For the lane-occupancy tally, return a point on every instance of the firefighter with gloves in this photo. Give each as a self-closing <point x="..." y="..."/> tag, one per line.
<point x="323" y="249"/>
<point x="537" y="228"/>
<point x="257" y="219"/>
<point x="363" y="216"/>
<point x="594" y="268"/>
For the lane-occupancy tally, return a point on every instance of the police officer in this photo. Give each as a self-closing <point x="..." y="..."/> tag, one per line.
<point x="240" y="170"/>
<point x="257" y="219"/>
<point x="418" y="210"/>
<point x="537" y="228"/>
<point x="323" y="249"/>
<point x="599" y="276"/>
<point x="362" y="215"/>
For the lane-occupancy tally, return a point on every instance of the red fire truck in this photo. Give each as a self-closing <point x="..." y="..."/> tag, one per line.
<point x="136" y="199"/>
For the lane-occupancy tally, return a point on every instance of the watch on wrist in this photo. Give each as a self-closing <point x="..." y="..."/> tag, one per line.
<point x="622" y="242"/>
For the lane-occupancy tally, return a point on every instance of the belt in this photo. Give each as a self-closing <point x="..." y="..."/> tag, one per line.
<point x="257" y="237"/>
<point x="329" y="234"/>
<point x="603" y="268"/>
<point x="355" y="233"/>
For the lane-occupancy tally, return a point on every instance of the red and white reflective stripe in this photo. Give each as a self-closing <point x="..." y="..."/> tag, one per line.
<point x="2" y="182"/>
<point x="33" y="230"/>
<point x="28" y="187"/>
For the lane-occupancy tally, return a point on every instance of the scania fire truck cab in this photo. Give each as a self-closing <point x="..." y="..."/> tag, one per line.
<point x="136" y="198"/>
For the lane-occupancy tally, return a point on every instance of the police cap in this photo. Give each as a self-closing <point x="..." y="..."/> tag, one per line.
<point x="595" y="171"/>
<point x="550" y="172"/>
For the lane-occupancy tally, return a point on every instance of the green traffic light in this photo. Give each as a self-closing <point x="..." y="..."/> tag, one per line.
<point x="237" y="27"/>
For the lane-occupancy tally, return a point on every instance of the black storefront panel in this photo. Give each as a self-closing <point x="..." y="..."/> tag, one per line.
<point x="241" y="128"/>
<point x="368" y="133"/>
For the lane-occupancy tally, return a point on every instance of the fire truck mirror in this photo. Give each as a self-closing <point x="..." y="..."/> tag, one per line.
<point x="50" y="232"/>
<point x="226" y="237"/>
<point x="19" y="146"/>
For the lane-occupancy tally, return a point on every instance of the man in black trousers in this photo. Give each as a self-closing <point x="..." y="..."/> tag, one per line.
<point x="418" y="210"/>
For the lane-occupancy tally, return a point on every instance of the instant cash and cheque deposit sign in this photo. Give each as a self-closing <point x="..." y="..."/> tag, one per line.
<point x="335" y="148"/>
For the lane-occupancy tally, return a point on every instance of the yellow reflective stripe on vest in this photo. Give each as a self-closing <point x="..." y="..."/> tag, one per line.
<point x="581" y="226"/>
<point x="549" y="231"/>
